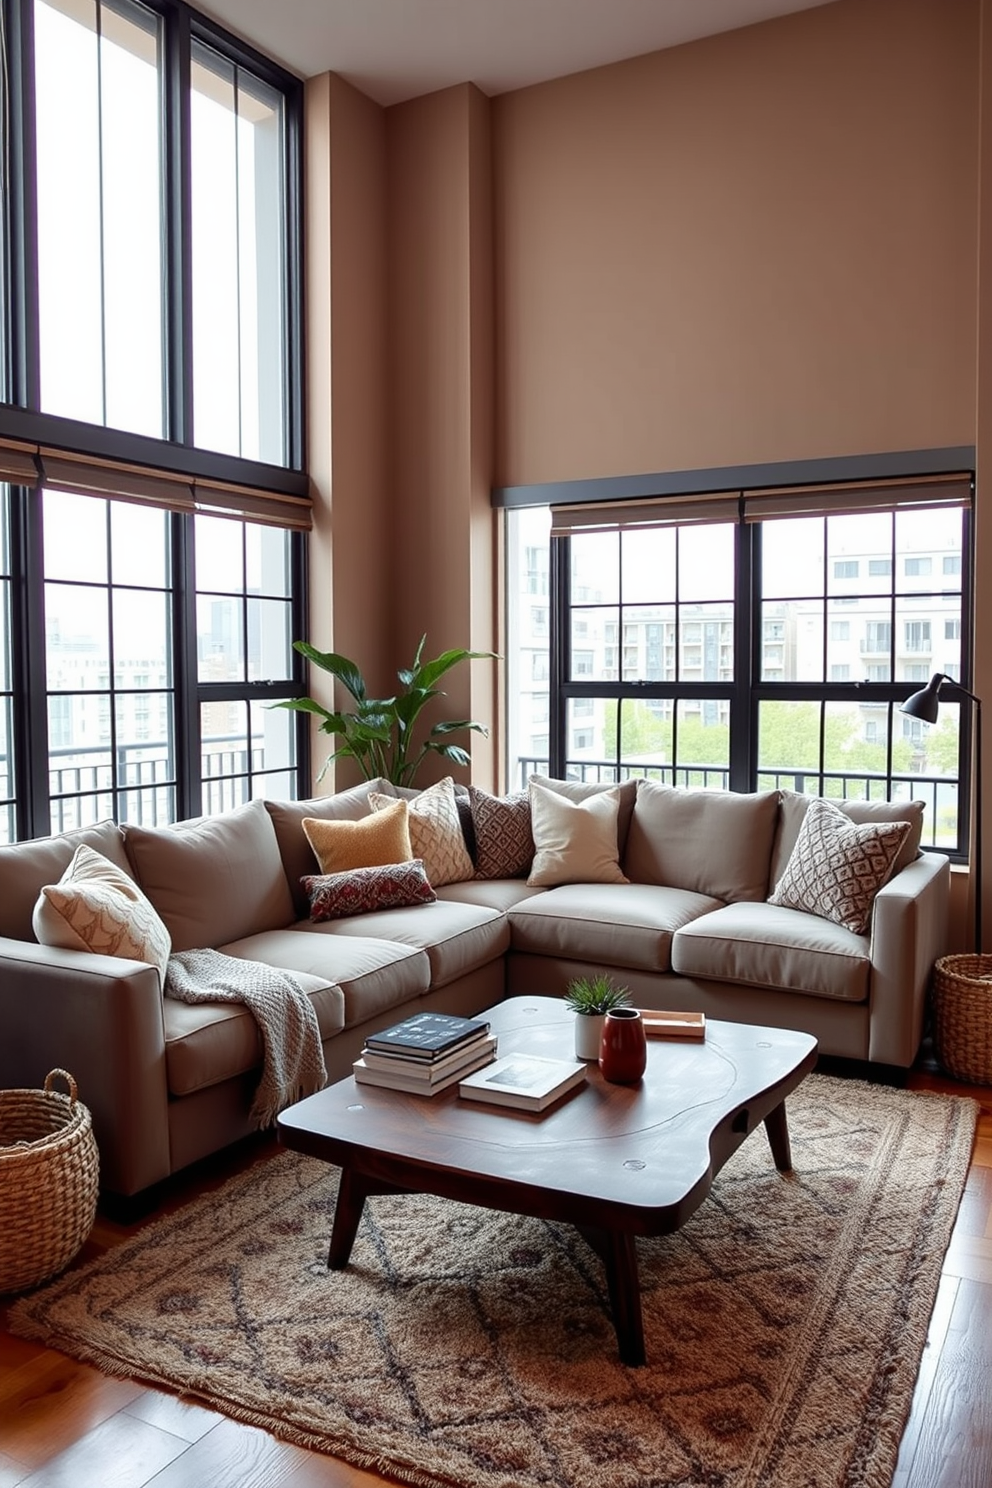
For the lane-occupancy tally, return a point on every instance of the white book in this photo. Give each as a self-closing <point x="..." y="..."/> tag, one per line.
<point x="466" y="1057"/>
<point x="415" y="1084"/>
<point x="525" y="1081"/>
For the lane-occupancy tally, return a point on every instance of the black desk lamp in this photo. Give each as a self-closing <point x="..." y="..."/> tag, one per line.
<point x="923" y="705"/>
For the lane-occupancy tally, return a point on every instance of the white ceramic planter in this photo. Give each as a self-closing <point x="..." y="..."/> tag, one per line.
<point x="588" y="1033"/>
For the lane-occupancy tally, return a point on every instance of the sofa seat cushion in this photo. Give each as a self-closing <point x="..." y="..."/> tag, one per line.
<point x="374" y="975"/>
<point x="208" y="1042"/>
<point x="607" y="924"/>
<point x="768" y="946"/>
<point x="493" y="893"/>
<point x="457" y="938"/>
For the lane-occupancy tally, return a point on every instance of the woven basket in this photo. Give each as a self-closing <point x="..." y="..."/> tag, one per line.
<point x="49" y="1171"/>
<point x="962" y="1006"/>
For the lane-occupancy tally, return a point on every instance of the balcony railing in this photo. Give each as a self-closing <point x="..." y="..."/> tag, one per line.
<point x="939" y="792"/>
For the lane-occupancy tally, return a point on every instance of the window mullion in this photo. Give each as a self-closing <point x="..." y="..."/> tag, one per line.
<point x="178" y="257"/>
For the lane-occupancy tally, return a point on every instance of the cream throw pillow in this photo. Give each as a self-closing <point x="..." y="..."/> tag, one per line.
<point x="383" y="837"/>
<point x="96" y="906"/>
<point x="574" y="841"/>
<point x="837" y="868"/>
<point x="436" y="833"/>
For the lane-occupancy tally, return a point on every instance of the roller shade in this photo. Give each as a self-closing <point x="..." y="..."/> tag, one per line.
<point x="660" y="511"/>
<point x="33" y="465"/>
<point x="861" y="497"/>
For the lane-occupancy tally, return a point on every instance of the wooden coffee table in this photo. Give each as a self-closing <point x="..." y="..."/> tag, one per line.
<point x="616" y="1161"/>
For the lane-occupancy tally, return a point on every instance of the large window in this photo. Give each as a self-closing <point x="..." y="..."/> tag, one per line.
<point x="751" y="641"/>
<point x="152" y="516"/>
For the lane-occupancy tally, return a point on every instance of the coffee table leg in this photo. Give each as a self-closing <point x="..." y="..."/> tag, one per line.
<point x="352" y="1193"/>
<point x="777" y="1128"/>
<point x="618" y="1252"/>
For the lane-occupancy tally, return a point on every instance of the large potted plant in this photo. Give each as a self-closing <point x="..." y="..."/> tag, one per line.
<point x="378" y="733"/>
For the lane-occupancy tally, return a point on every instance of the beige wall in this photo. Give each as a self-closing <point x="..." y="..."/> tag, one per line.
<point x="762" y="246"/>
<point x="756" y="247"/>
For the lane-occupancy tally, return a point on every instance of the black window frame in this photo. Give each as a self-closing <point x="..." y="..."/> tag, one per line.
<point x="747" y="691"/>
<point x="22" y="420"/>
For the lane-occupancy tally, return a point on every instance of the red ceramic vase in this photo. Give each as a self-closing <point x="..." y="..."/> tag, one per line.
<point x="623" y="1050"/>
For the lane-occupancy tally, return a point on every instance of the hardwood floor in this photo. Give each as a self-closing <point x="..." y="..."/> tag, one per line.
<point x="64" y="1423"/>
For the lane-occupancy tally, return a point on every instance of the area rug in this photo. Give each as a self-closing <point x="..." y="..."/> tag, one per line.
<point x="784" y="1324"/>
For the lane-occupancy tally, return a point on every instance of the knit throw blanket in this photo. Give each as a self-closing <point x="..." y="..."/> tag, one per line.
<point x="293" y="1064"/>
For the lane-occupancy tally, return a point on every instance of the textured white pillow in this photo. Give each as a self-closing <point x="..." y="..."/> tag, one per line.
<point x="837" y="867"/>
<point x="574" y="841"/>
<point x="436" y="833"/>
<point x="96" y="907"/>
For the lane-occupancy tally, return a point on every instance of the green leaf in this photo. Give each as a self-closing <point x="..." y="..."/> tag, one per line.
<point x="432" y="670"/>
<point x="466" y="723"/>
<point x="453" y="752"/>
<point x="345" y="670"/>
<point x="301" y="705"/>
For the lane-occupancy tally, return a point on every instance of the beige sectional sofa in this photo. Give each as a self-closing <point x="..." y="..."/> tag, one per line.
<point x="688" y="926"/>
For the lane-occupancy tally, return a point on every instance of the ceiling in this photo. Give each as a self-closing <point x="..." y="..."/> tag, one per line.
<point x="398" y="49"/>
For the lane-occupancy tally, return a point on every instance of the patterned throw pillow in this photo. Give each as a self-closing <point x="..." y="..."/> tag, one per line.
<point x="504" y="844"/>
<point x="395" y="886"/>
<point x="374" y="840"/>
<point x="837" y="867"/>
<point x="435" y="832"/>
<point x="96" y="906"/>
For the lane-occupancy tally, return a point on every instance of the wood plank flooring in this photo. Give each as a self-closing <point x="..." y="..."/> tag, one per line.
<point x="64" y="1423"/>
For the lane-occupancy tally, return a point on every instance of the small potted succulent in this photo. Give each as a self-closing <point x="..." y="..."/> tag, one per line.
<point x="591" y="998"/>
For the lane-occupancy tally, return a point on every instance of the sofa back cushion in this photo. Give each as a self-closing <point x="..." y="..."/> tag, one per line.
<point x="792" y="809"/>
<point x="711" y="842"/>
<point x="214" y="879"/>
<point x="26" y="867"/>
<point x="297" y="855"/>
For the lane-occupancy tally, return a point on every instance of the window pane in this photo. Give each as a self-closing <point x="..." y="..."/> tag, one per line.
<point x="77" y="633"/>
<point x="220" y="638"/>
<point x="140" y="539"/>
<point x="220" y="555"/>
<point x="649" y="564"/>
<point x="792" y="557"/>
<point x="528" y="545"/>
<point x="75" y="537"/>
<point x="7" y="790"/>
<point x="99" y="169"/>
<point x="707" y="650"/>
<point x="706" y="562"/>
<point x="238" y="216"/>
<point x="788" y="745"/>
<point x="596" y="568"/>
<point x="268" y="564"/>
<point x="142" y="650"/>
<point x="645" y="736"/>
<point x="269" y="640"/>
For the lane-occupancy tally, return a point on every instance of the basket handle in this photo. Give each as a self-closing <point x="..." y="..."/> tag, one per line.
<point x="53" y="1075"/>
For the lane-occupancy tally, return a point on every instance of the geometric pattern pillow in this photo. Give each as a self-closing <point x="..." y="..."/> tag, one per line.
<point x="504" y="843"/>
<point x="394" y="886"/>
<point x="436" y="834"/>
<point x="836" y="868"/>
<point x="96" y="907"/>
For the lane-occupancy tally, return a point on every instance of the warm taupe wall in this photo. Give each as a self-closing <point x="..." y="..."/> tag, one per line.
<point x="760" y="246"/>
<point x="441" y="398"/>
<point x="347" y="358"/>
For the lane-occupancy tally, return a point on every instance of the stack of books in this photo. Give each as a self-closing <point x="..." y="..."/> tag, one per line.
<point x="425" y="1053"/>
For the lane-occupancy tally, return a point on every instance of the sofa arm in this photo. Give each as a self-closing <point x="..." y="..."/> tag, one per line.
<point x="100" y="1018"/>
<point x="909" y="932"/>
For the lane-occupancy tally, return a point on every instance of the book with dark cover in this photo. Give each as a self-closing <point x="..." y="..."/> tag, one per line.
<point x="414" y="1079"/>
<point x="429" y="1070"/>
<point x="427" y="1035"/>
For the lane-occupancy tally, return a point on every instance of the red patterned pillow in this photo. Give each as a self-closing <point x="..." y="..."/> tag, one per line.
<point x="395" y="886"/>
<point x="504" y="845"/>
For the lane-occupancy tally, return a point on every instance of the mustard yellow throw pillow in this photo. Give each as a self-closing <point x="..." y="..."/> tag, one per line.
<point x="96" y="906"/>
<point x="371" y="842"/>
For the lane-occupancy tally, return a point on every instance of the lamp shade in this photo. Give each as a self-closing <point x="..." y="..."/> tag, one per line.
<point x="925" y="703"/>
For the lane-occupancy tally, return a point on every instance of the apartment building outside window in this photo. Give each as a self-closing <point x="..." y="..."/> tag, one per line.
<point x="762" y="684"/>
<point x="152" y="498"/>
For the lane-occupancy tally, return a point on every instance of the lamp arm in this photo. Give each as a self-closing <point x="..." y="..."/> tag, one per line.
<point x="959" y="688"/>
